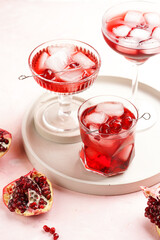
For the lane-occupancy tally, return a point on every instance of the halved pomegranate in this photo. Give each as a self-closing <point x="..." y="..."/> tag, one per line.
<point x="152" y="211"/>
<point x="29" y="195"/>
<point x="5" y="141"/>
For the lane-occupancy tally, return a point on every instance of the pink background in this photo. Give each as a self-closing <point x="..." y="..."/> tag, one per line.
<point x="23" y="26"/>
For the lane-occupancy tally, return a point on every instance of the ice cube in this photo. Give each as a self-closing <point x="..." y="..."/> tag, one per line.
<point x="41" y="61"/>
<point x="69" y="49"/>
<point x="53" y="49"/>
<point x="71" y="75"/>
<point x="134" y="17"/>
<point x="108" y="146"/>
<point x="91" y="153"/>
<point x="83" y="60"/>
<point x="156" y="33"/>
<point x="121" y="31"/>
<point x="125" y="153"/>
<point x="129" y="42"/>
<point x="110" y="108"/>
<point x="149" y="44"/>
<point x="140" y="34"/>
<point x="152" y="18"/>
<point x="58" y="61"/>
<point x="96" y="118"/>
<point x="93" y="127"/>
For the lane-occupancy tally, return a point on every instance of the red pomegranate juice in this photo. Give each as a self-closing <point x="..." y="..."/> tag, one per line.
<point x="108" y="133"/>
<point x="134" y="34"/>
<point x="64" y="69"/>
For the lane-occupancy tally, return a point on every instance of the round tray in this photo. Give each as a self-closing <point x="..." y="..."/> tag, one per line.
<point x="60" y="162"/>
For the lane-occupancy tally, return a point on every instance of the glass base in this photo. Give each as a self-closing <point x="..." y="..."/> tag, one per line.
<point x="61" y="122"/>
<point x="55" y="125"/>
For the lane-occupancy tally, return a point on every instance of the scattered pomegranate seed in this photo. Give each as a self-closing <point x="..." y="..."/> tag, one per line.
<point x="52" y="230"/>
<point x="55" y="236"/>
<point x="46" y="228"/>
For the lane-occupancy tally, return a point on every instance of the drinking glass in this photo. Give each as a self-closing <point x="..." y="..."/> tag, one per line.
<point x="107" y="127"/>
<point x="132" y="29"/>
<point x="64" y="67"/>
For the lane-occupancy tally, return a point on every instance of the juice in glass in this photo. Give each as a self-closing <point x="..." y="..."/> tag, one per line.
<point x="64" y="66"/>
<point x="133" y="33"/>
<point x="107" y="126"/>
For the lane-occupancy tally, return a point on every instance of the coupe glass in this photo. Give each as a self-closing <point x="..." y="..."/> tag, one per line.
<point x="133" y="30"/>
<point x="64" y="67"/>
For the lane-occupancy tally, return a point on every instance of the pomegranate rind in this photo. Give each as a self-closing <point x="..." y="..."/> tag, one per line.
<point x="6" y="135"/>
<point x="158" y="230"/>
<point x="8" y="189"/>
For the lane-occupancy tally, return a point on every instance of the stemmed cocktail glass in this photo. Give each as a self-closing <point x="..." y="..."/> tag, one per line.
<point x="64" y="67"/>
<point x="133" y="30"/>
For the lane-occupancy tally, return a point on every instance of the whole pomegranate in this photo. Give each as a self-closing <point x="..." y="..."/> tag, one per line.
<point x="29" y="195"/>
<point x="5" y="141"/>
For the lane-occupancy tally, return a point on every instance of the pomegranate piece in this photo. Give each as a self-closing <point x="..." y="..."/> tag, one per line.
<point x="152" y="211"/>
<point x="29" y="195"/>
<point x="5" y="141"/>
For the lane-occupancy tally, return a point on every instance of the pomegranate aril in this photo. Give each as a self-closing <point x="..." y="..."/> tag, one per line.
<point x="55" y="236"/>
<point x="73" y="65"/>
<point x="46" y="228"/>
<point x="48" y="74"/>
<point x="6" y="141"/>
<point x="33" y="205"/>
<point x="127" y="122"/>
<point x="104" y="128"/>
<point x="48" y="196"/>
<point x="41" y="206"/>
<point x="52" y="230"/>
<point x="36" y="179"/>
<point x="115" y="126"/>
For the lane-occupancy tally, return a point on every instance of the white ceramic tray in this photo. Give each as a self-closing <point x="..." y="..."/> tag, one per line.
<point x="60" y="162"/>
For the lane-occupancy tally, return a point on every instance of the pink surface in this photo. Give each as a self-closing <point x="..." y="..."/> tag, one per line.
<point x="23" y="25"/>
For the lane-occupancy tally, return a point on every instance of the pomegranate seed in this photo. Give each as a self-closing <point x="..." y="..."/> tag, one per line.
<point x="48" y="196"/>
<point x="74" y="65"/>
<point x="52" y="230"/>
<point x="36" y="179"/>
<point x="55" y="236"/>
<point x="41" y="206"/>
<point x="104" y="128"/>
<point x="46" y="228"/>
<point x="115" y="126"/>
<point x="6" y="141"/>
<point x="42" y="178"/>
<point x="48" y="74"/>
<point x="127" y="122"/>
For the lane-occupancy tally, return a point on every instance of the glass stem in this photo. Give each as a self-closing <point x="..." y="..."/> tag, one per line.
<point x="65" y="102"/>
<point x="135" y="82"/>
